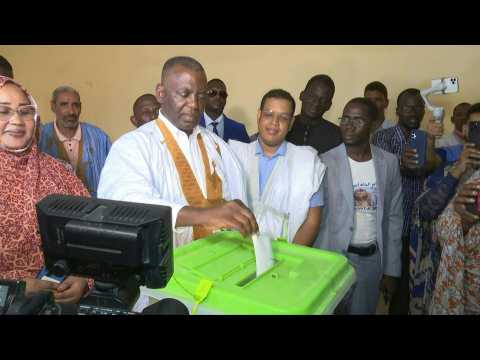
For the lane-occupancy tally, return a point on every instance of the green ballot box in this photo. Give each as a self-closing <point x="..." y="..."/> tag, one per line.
<point x="217" y="275"/>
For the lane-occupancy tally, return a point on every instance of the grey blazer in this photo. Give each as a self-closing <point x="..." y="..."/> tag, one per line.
<point x="336" y="229"/>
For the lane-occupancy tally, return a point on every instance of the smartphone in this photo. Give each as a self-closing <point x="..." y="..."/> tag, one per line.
<point x="418" y="141"/>
<point x="474" y="133"/>
<point x="43" y="274"/>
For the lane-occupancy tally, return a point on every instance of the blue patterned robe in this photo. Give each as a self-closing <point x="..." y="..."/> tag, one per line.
<point x="95" y="147"/>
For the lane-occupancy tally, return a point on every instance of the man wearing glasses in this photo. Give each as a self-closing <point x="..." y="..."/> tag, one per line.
<point x="362" y="217"/>
<point x="283" y="179"/>
<point x="309" y="127"/>
<point x="213" y="118"/>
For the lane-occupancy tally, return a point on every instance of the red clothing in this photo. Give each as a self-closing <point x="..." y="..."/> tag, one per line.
<point x="26" y="179"/>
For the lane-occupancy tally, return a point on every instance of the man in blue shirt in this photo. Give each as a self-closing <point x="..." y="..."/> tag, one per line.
<point x="283" y="179"/>
<point x="81" y="144"/>
<point x="213" y="117"/>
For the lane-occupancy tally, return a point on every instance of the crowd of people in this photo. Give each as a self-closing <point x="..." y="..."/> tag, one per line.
<point x="358" y="188"/>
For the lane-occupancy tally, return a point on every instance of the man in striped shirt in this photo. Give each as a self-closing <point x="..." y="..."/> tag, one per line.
<point x="410" y="111"/>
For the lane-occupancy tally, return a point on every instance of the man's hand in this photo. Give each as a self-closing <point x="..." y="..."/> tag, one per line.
<point x="409" y="160"/>
<point x="467" y="195"/>
<point x="435" y="128"/>
<point x="388" y="286"/>
<point x="470" y="158"/>
<point x="232" y="215"/>
<point x="33" y="286"/>
<point x="229" y="215"/>
<point x="71" y="290"/>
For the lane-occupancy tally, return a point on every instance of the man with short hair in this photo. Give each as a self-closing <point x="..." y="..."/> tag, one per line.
<point x="213" y="117"/>
<point x="458" y="119"/>
<point x="145" y="109"/>
<point x="6" y="68"/>
<point x="377" y="93"/>
<point x="174" y="162"/>
<point x="362" y="217"/>
<point x="83" y="145"/>
<point x="396" y="140"/>
<point x="283" y="179"/>
<point x="309" y="127"/>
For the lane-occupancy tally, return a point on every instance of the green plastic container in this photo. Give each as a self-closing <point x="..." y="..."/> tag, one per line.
<point x="302" y="281"/>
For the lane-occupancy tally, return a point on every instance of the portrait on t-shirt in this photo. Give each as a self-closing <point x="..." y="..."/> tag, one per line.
<point x="365" y="196"/>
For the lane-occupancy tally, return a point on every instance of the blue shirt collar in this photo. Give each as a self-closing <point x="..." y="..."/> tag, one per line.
<point x="208" y="120"/>
<point x="280" y="151"/>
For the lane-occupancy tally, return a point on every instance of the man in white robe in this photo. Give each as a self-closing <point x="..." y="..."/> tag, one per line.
<point x="172" y="161"/>
<point x="283" y="179"/>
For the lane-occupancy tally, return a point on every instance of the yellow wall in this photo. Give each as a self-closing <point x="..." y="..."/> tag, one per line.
<point x="109" y="78"/>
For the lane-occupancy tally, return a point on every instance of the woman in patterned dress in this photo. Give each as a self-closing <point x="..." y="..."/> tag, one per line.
<point x="26" y="177"/>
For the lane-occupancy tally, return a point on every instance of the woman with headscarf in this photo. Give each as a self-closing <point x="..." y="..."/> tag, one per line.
<point x="26" y="177"/>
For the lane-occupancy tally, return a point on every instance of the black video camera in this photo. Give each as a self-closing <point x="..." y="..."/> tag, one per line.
<point x="121" y="245"/>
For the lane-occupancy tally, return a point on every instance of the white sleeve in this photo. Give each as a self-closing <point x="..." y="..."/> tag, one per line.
<point x="128" y="176"/>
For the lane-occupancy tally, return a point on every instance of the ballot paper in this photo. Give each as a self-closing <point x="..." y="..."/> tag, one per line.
<point x="262" y="245"/>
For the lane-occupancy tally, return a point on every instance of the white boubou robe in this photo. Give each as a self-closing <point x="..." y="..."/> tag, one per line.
<point x="139" y="168"/>
<point x="285" y="201"/>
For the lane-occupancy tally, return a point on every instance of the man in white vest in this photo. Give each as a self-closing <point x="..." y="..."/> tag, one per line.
<point x="172" y="161"/>
<point x="283" y="179"/>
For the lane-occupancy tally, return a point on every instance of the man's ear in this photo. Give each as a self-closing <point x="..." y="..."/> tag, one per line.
<point x="329" y="105"/>
<point x="52" y="105"/>
<point x="292" y="120"/>
<point x="396" y="111"/>
<point x="259" y="115"/>
<point x="388" y="102"/>
<point x="160" y="93"/>
<point x="133" y="121"/>
<point x="301" y="95"/>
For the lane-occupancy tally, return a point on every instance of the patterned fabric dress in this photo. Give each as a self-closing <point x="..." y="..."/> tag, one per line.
<point x="25" y="179"/>
<point x="457" y="287"/>
<point x="424" y="248"/>
<point x="425" y="251"/>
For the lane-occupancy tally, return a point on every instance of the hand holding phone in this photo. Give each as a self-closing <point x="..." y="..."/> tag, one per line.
<point x="467" y="203"/>
<point x="409" y="160"/>
<point x="469" y="158"/>
<point x="45" y="275"/>
<point x="418" y="141"/>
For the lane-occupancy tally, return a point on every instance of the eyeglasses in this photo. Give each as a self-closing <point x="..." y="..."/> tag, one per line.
<point x="212" y="93"/>
<point x="356" y="121"/>
<point x="270" y="115"/>
<point x="26" y="113"/>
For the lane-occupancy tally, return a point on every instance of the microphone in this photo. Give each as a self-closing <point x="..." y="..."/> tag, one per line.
<point x="166" y="307"/>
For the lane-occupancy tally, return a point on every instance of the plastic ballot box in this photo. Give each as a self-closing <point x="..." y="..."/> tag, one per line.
<point x="217" y="275"/>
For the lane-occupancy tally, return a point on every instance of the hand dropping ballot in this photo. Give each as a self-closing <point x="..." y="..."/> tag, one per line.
<point x="263" y="253"/>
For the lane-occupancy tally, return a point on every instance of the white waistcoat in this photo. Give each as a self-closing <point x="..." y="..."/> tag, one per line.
<point x="285" y="200"/>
